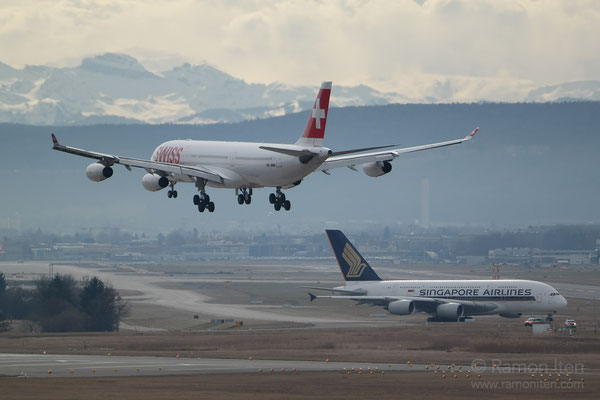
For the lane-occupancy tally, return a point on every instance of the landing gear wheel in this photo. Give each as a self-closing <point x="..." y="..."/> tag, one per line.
<point x="240" y="199"/>
<point x="170" y="194"/>
<point x="277" y="206"/>
<point x="287" y="205"/>
<point x="248" y="199"/>
<point x="196" y="199"/>
<point x="272" y="198"/>
<point x="210" y="206"/>
<point x="282" y="197"/>
<point x="174" y="194"/>
<point x="201" y="207"/>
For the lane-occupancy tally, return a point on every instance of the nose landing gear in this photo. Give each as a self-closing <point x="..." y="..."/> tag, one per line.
<point x="172" y="193"/>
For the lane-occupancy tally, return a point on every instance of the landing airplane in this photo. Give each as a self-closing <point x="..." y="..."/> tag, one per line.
<point x="444" y="300"/>
<point x="244" y="166"/>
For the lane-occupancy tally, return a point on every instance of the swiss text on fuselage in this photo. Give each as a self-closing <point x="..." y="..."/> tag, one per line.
<point x="168" y="154"/>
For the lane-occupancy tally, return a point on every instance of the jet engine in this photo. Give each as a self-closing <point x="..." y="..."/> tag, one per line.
<point x="153" y="182"/>
<point x="511" y="315"/>
<point x="377" y="168"/>
<point x="98" y="172"/>
<point x="449" y="311"/>
<point x="401" y="307"/>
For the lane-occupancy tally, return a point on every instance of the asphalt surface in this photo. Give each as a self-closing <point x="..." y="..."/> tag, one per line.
<point x="60" y="365"/>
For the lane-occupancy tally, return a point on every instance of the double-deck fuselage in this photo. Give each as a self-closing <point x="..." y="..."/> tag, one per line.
<point x="443" y="300"/>
<point x="509" y="296"/>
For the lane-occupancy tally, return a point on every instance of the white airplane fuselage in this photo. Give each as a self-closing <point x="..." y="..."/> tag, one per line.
<point x="511" y="296"/>
<point x="242" y="164"/>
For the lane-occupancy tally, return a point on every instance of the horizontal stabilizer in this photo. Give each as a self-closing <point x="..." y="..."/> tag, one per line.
<point x="289" y="152"/>
<point x="356" y="292"/>
<point x="303" y="155"/>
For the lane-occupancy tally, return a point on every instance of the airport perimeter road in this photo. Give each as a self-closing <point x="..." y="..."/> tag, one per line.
<point x="39" y="365"/>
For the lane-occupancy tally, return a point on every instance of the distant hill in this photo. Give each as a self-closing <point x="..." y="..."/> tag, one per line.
<point x="117" y="89"/>
<point x="530" y="164"/>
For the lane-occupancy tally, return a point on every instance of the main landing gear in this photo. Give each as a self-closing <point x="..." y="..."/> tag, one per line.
<point x="203" y="200"/>
<point x="245" y="196"/>
<point x="278" y="200"/>
<point x="172" y="193"/>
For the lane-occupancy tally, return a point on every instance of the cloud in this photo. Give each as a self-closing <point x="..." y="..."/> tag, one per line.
<point x="472" y="45"/>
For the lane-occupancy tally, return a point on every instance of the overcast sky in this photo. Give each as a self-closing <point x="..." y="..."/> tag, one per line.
<point x="488" y="48"/>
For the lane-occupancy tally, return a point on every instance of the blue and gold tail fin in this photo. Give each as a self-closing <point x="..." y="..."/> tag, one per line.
<point x="352" y="264"/>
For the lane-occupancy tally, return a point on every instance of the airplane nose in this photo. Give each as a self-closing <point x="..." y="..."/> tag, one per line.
<point x="562" y="302"/>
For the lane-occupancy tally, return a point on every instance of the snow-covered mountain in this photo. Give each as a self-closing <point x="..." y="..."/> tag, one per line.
<point x="570" y="91"/>
<point x="116" y="88"/>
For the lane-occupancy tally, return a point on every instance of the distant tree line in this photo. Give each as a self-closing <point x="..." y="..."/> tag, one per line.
<point x="560" y="237"/>
<point x="62" y="304"/>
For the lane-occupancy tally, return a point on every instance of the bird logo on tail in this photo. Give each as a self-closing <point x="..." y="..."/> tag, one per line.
<point x="353" y="259"/>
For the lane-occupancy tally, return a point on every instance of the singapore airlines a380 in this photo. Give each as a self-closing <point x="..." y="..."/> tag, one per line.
<point x="444" y="300"/>
<point x="244" y="166"/>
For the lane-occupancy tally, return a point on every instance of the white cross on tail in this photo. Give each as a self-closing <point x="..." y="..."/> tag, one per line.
<point x="318" y="113"/>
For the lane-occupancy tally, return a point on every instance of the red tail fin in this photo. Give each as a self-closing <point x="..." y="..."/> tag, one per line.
<point x="315" y="127"/>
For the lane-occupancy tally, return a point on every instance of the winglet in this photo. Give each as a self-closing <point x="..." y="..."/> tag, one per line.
<point x="470" y="135"/>
<point x="312" y="296"/>
<point x="54" y="140"/>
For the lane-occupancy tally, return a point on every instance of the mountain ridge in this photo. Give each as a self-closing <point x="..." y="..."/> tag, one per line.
<point x="116" y="88"/>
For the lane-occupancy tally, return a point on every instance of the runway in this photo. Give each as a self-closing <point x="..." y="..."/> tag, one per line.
<point x="60" y="365"/>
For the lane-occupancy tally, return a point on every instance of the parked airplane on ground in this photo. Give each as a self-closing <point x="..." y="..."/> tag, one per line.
<point x="444" y="300"/>
<point x="244" y="166"/>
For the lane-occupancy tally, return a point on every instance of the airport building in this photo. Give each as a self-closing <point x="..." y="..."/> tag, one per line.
<point x="526" y="256"/>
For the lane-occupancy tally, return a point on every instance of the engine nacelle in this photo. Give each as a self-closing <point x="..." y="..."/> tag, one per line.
<point x="153" y="182"/>
<point x="401" y="307"/>
<point x="511" y="315"/>
<point x="98" y="172"/>
<point x="450" y="311"/>
<point x="377" y="168"/>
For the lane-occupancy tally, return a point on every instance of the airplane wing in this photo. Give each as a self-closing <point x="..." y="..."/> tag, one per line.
<point x="160" y="168"/>
<point x="427" y="304"/>
<point x="378" y="300"/>
<point x="337" y="160"/>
